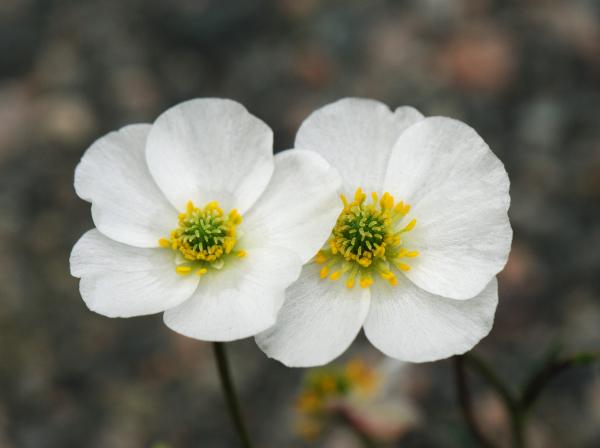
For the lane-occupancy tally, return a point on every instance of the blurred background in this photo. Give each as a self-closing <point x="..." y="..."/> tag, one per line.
<point x="524" y="73"/>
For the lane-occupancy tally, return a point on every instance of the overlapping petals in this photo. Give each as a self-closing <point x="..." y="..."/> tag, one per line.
<point x="317" y="323"/>
<point x="240" y="301"/>
<point x="284" y="217"/>
<point x="356" y="136"/>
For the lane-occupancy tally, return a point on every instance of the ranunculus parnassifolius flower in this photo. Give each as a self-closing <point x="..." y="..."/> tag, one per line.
<point x="414" y="253"/>
<point x="195" y="217"/>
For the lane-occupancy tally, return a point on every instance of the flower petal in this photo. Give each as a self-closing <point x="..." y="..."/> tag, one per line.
<point x="239" y="301"/>
<point x="459" y="192"/>
<point x="299" y="207"/>
<point x="127" y="205"/>
<point x="118" y="280"/>
<point x="210" y="149"/>
<point x="317" y="323"/>
<point x="408" y="323"/>
<point x="356" y="136"/>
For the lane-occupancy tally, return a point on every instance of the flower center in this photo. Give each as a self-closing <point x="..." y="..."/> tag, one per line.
<point x="366" y="240"/>
<point x="203" y="237"/>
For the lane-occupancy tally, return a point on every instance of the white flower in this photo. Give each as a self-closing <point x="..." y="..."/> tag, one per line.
<point x="195" y="217"/>
<point x="421" y="279"/>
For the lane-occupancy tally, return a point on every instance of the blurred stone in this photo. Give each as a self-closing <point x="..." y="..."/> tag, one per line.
<point x="542" y="123"/>
<point x="65" y="118"/>
<point x="314" y="67"/>
<point x="521" y="277"/>
<point x="581" y="311"/>
<point x="135" y="90"/>
<point x="480" y="58"/>
<point x="593" y="398"/>
<point x="577" y="23"/>
<point x="59" y="65"/>
<point x="16" y="117"/>
<point x="297" y="9"/>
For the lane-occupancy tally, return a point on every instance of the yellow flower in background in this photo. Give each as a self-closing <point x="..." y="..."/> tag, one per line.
<point x="356" y="394"/>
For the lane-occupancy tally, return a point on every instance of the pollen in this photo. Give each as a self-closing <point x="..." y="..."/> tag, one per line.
<point x="367" y="241"/>
<point x="204" y="237"/>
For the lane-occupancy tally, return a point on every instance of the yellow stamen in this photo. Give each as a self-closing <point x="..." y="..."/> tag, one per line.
<point x="204" y="237"/>
<point x="344" y="201"/>
<point x="411" y="225"/>
<point x="359" y="196"/>
<point x="320" y="258"/>
<point x="367" y="239"/>
<point x="183" y="270"/>
<point x="403" y="267"/>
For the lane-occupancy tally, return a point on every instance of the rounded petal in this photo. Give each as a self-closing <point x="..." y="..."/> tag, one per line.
<point x="299" y="207"/>
<point x="239" y="301"/>
<point x="127" y="205"/>
<point x="317" y="323"/>
<point x="210" y="150"/>
<point x="459" y="192"/>
<point x="356" y="136"/>
<point x="410" y="324"/>
<point x="118" y="280"/>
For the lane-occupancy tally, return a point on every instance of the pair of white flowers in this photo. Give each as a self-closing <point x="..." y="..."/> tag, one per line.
<point x="377" y="219"/>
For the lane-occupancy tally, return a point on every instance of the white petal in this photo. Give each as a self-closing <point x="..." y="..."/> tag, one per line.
<point x="299" y="207"/>
<point x="118" y="280"/>
<point x="459" y="192"/>
<point x="127" y="205"/>
<point x="318" y="321"/>
<point x="240" y="300"/>
<point x="356" y="136"/>
<point x="210" y="150"/>
<point x="410" y="324"/>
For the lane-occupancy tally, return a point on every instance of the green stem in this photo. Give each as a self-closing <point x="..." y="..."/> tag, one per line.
<point x="230" y="395"/>
<point x="464" y="399"/>
<point x="540" y="380"/>
<point x="519" y="405"/>
<point x="512" y="405"/>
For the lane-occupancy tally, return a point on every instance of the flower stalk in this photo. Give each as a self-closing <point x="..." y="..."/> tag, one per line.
<point x="466" y="406"/>
<point x="518" y="405"/>
<point x="231" y="398"/>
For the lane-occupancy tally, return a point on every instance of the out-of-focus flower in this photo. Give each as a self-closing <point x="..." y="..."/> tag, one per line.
<point x="371" y="400"/>
<point x="168" y="200"/>
<point x="420" y="279"/>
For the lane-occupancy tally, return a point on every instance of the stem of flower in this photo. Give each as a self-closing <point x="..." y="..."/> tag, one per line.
<point x="517" y="405"/>
<point x="230" y="395"/>
<point x="464" y="399"/>
<point x="511" y="403"/>
<point x="534" y="387"/>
